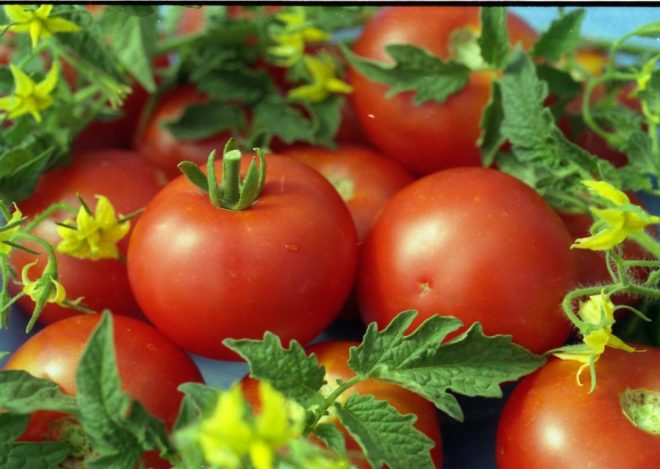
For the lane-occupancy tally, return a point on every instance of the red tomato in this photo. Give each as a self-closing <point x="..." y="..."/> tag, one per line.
<point x="286" y="264"/>
<point x="333" y="356"/>
<point x="162" y="149"/>
<point x="427" y="137"/>
<point x="150" y="366"/>
<point x="129" y="183"/>
<point x="549" y="421"/>
<point x="363" y="178"/>
<point x="472" y="243"/>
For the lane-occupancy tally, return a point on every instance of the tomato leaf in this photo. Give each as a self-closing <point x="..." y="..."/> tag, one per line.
<point x="28" y="455"/>
<point x="332" y="436"/>
<point x="199" y="401"/>
<point x="415" y="69"/>
<point x="538" y="144"/>
<point x="494" y="38"/>
<point x="200" y="121"/>
<point x="276" y="117"/>
<point x="385" y="436"/>
<point x="562" y="37"/>
<point x="132" y="34"/>
<point x="119" y="428"/>
<point x="490" y="138"/>
<point x="326" y="118"/>
<point x="22" y="393"/>
<point x="290" y="371"/>
<point x="560" y="83"/>
<point x="650" y="95"/>
<point x="471" y="364"/>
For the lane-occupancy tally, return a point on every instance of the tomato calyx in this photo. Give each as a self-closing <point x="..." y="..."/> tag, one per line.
<point x="642" y="408"/>
<point x="232" y="193"/>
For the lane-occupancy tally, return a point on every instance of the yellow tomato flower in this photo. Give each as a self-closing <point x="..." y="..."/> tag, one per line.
<point x="232" y="435"/>
<point x="7" y="233"/>
<point x="95" y="235"/>
<point x="38" y="23"/>
<point x="35" y="288"/>
<point x="597" y="314"/>
<point x="291" y="37"/>
<point x="615" y="223"/>
<point x="29" y="97"/>
<point x="324" y="80"/>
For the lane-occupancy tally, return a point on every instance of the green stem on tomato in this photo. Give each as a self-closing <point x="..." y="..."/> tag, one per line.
<point x="333" y="396"/>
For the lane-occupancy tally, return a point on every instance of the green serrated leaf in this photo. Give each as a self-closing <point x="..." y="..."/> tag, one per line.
<point x="562" y="37"/>
<point x="560" y="83"/>
<point x="391" y="348"/>
<point x="200" y="121"/>
<point x="290" y="371"/>
<point x="133" y="35"/>
<point x="119" y="429"/>
<point x="326" y="118"/>
<point x="235" y="83"/>
<point x="199" y="401"/>
<point x="332" y="436"/>
<point x="276" y="117"/>
<point x="473" y="364"/>
<point x="22" y="393"/>
<point x="494" y="39"/>
<point x="385" y="436"/>
<point x="21" y="455"/>
<point x="490" y="138"/>
<point x="416" y="70"/>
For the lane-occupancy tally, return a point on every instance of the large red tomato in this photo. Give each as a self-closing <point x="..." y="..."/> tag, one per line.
<point x="333" y="356"/>
<point x="427" y="137"/>
<point x="549" y="421"/>
<point x="161" y="148"/>
<point x="150" y="366"/>
<point x="363" y="178"/>
<point x="202" y="274"/>
<point x="129" y="183"/>
<point x="473" y="243"/>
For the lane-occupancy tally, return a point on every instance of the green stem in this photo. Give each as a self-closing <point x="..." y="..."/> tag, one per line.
<point x="605" y="44"/>
<point x="47" y="212"/>
<point x="648" y="242"/>
<point x="334" y="395"/>
<point x="644" y="291"/>
<point x="231" y="177"/>
<point x="567" y="303"/>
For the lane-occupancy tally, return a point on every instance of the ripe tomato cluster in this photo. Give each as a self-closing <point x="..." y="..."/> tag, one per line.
<point x="398" y="216"/>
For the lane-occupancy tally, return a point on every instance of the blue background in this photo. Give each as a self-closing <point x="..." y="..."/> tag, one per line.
<point x="469" y="444"/>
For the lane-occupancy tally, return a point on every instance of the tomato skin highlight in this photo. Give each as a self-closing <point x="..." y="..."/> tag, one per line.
<point x="333" y="355"/>
<point x="150" y="367"/>
<point x="365" y="179"/>
<point x="473" y="243"/>
<point x="286" y="264"/>
<point x="431" y="136"/>
<point x="549" y="421"/>
<point x="129" y="183"/>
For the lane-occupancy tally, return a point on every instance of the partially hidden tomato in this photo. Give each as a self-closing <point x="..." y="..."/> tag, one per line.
<point x="286" y="264"/>
<point x="129" y="183"/>
<point x="363" y="178"/>
<point x="150" y="367"/>
<point x="164" y="150"/>
<point x="473" y="243"/>
<point x="549" y="421"/>
<point x="430" y="136"/>
<point x="333" y="356"/>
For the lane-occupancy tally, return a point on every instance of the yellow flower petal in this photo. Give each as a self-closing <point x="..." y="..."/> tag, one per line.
<point x="37" y="31"/>
<point x="23" y="84"/>
<point x="261" y="455"/>
<point x="17" y="14"/>
<point x="607" y="191"/>
<point x="47" y="85"/>
<point x="60" y="25"/>
<point x="43" y="11"/>
<point x="617" y="343"/>
<point x="601" y="241"/>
